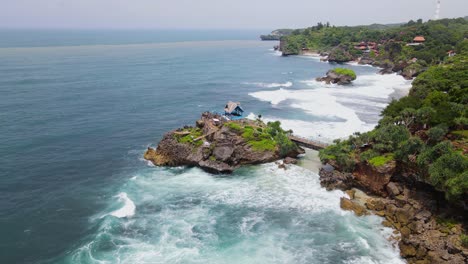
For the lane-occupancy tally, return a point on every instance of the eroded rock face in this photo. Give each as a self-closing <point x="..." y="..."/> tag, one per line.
<point x="332" y="179"/>
<point x="333" y="77"/>
<point x="220" y="148"/>
<point x="421" y="238"/>
<point x="374" y="179"/>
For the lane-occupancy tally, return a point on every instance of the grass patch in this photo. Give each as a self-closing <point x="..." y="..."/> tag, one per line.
<point x="347" y="72"/>
<point x="189" y="139"/>
<point x="462" y="133"/>
<point x="381" y="160"/>
<point x="234" y="126"/>
<point x="263" y="145"/>
<point x="260" y="141"/>
<point x="446" y="222"/>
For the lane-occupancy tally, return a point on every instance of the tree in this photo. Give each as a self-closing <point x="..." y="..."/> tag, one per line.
<point x="423" y="115"/>
<point x="407" y="117"/>
<point x="449" y="173"/>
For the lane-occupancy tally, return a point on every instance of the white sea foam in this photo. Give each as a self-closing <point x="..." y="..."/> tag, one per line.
<point x="354" y="63"/>
<point x="277" y="53"/>
<point x="279" y="216"/>
<point x="269" y="85"/>
<point x="128" y="208"/>
<point x="336" y="109"/>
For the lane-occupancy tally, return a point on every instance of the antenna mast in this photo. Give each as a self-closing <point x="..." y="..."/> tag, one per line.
<point x="437" y="12"/>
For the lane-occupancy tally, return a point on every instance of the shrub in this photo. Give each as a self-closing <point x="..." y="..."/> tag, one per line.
<point x="449" y="173"/>
<point x="285" y="144"/>
<point x="368" y="154"/>
<point x="412" y="146"/>
<point x="344" y="71"/>
<point x="437" y="133"/>
<point x="464" y="240"/>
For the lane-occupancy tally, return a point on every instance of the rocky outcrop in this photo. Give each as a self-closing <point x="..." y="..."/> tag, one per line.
<point x="374" y="179"/>
<point x="336" y="78"/>
<point x="422" y="233"/>
<point x="214" y="145"/>
<point x="412" y="71"/>
<point x="366" y="61"/>
<point x="333" y="179"/>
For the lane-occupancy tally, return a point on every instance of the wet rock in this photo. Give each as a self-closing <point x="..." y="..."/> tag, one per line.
<point x="336" y="180"/>
<point x="289" y="160"/>
<point x="349" y="205"/>
<point x="351" y="193"/>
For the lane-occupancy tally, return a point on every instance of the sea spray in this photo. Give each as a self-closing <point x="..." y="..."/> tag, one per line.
<point x="128" y="208"/>
<point x="260" y="214"/>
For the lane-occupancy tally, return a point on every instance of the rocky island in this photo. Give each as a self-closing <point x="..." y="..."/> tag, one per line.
<point x="218" y="145"/>
<point x="340" y="76"/>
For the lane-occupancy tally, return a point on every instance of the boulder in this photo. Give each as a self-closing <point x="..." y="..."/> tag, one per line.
<point x="289" y="160"/>
<point x="375" y="205"/>
<point x="392" y="189"/>
<point x="407" y="250"/>
<point x="335" y="179"/>
<point x="349" y="205"/>
<point x="388" y="70"/>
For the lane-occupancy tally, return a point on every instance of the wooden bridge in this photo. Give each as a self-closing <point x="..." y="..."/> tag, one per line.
<point x="308" y="143"/>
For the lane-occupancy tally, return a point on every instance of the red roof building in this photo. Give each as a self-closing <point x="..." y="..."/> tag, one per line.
<point x="419" y="39"/>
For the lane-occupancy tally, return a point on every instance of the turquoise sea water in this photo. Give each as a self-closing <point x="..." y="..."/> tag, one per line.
<point x="78" y="110"/>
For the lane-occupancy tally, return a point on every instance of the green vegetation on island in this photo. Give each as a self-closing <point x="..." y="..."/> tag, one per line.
<point x="425" y="133"/>
<point x="220" y="145"/>
<point x="263" y="137"/>
<point x="344" y="71"/>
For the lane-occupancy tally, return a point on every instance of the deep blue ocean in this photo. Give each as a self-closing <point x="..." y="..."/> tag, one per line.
<point x="79" y="108"/>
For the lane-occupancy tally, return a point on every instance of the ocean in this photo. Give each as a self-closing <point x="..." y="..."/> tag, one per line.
<point x="79" y="108"/>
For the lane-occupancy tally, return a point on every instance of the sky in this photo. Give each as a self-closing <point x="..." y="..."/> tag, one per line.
<point x="216" y="14"/>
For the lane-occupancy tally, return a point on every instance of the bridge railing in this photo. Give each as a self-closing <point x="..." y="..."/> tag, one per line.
<point x="311" y="141"/>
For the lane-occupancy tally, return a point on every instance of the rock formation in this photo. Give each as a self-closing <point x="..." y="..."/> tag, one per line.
<point x="423" y="233"/>
<point x="336" y="78"/>
<point x="220" y="146"/>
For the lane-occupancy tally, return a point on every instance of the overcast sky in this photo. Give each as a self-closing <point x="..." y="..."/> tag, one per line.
<point x="234" y="14"/>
